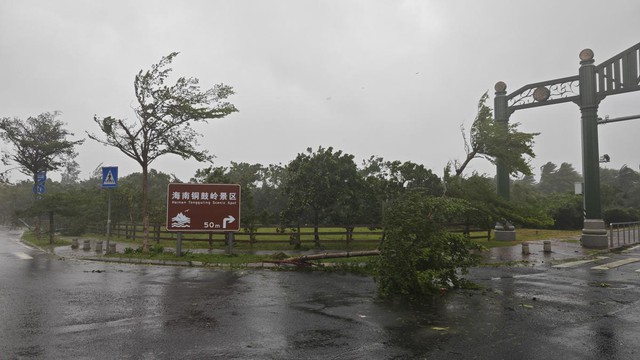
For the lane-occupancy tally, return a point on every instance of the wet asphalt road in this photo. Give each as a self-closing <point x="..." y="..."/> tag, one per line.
<point x="73" y="309"/>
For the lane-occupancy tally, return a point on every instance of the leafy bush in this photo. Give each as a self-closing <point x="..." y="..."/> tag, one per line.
<point x="566" y="211"/>
<point x="156" y="249"/>
<point x="620" y="215"/>
<point x="74" y="228"/>
<point x="153" y="250"/>
<point x="418" y="255"/>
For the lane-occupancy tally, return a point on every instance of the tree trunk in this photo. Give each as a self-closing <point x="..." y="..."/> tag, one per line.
<point x="145" y="210"/>
<point x="51" y="227"/>
<point x="349" y="236"/>
<point x="470" y="156"/>
<point x="37" y="227"/>
<point x="316" y="236"/>
<point x="335" y="255"/>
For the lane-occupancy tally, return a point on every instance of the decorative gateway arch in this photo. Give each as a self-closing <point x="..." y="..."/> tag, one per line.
<point x="620" y="74"/>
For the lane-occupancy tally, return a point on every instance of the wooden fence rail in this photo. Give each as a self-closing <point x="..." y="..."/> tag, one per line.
<point x="364" y="234"/>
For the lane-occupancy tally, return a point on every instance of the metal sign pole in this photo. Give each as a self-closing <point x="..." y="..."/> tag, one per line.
<point x="230" y="236"/>
<point x="109" y="182"/>
<point x="179" y="244"/>
<point x="108" y="218"/>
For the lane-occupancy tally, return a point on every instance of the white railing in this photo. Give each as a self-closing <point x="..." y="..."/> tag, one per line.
<point x="622" y="234"/>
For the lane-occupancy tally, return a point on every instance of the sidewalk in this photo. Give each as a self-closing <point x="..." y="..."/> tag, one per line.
<point x="561" y="250"/>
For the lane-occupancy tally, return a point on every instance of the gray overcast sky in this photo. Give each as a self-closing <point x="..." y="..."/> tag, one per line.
<point x="388" y="78"/>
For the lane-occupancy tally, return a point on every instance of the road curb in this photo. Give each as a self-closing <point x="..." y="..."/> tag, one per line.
<point x="181" y="263"/>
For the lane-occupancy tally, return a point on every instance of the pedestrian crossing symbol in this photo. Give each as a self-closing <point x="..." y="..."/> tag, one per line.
<point x="109" y="177"/>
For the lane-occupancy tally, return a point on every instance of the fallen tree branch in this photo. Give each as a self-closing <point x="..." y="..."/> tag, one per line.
<point x="303" y="261"/>
<point x="335" y="255"/>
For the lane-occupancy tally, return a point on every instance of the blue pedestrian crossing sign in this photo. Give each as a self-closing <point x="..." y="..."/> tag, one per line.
<point x="109" y="177"/>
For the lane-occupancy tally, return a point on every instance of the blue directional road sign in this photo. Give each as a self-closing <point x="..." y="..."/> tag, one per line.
<point x="109" y="177"/>
<point x="41" y="177"/>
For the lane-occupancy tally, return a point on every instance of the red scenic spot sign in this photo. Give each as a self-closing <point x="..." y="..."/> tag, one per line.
<point x="203" y="207"/>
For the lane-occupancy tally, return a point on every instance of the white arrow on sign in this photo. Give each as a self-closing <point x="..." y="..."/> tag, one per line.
<point x="228" y="220"/>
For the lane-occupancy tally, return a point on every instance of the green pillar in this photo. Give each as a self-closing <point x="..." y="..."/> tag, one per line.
<point x="594" y="233"/>
<point x="501" y="116"/>
<point x="502" y="231"/>
<point x="590" y="153"/>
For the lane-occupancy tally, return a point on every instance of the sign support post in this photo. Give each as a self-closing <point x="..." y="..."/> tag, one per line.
<point x="108" y="218"/>
<point x="109" y="182"/>
<point x="230" y="236"/>
<point x="179" y="244"/>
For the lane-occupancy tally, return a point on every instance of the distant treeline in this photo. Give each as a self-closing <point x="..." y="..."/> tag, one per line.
<point x="326" y="187"/>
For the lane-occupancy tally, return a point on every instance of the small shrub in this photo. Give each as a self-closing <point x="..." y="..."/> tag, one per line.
<point x="156" y="249"/>
<point x="614" y="215"/>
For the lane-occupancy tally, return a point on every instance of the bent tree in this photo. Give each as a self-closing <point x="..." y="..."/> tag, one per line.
<point x="491" y="141"/>
<point x="164" y="116"/>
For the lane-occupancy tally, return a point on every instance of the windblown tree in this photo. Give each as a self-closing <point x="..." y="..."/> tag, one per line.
<point x="491" y="141"/>
<point x="39" y="144"/>
<point x="558" y="180"/>
<point x="387" y="180"/>
<point x="163" y="125"/>
<point x="319" y="182"/>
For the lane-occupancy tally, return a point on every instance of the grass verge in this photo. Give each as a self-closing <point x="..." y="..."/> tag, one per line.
<point x="189" y="247"/>
<point x="44" y="242"/>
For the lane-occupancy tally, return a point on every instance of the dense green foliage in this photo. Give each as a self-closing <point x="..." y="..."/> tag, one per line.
<point x="322" y="185"/>
<point x="418" y="254"/>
